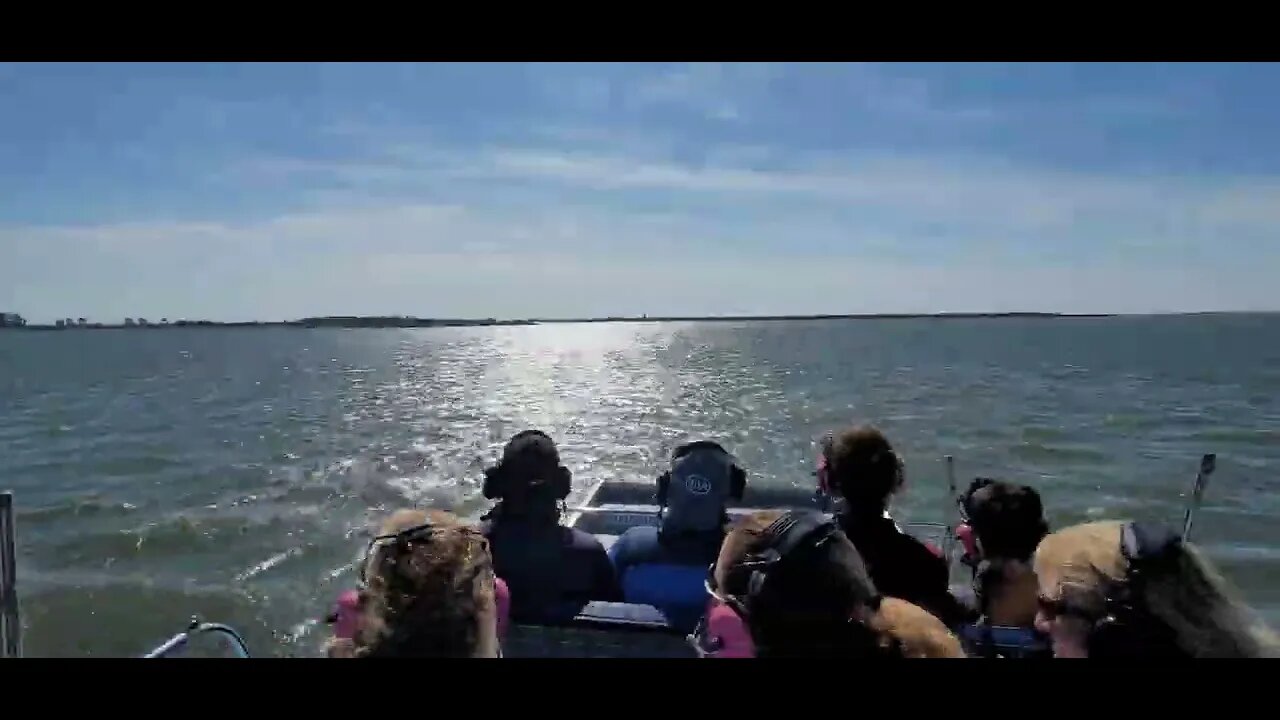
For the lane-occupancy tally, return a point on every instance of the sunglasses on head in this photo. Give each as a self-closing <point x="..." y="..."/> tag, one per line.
<point x="1053" y="608"/>
<point x="419" y="533"/>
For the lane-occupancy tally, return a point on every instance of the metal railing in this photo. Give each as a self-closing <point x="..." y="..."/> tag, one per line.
<point x="182" y="639"/>
<point x="10" y="619"/>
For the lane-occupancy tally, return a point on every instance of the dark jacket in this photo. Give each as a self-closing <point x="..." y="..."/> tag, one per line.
<point x="552" y="571"/>
<point x="903" y="567"/>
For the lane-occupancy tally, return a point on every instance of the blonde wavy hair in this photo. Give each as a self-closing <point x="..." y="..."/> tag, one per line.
<point x="428" y="591"/>
<point x="1187" y="594"/>
<point x="896" y="626"/>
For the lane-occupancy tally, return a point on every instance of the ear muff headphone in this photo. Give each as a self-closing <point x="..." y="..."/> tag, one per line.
<point x="752" y="584"/>
<point x="1126" y="629"/>
<point x="786" y="536"/>
<point x="494" y="487"/>
<point x="498" y="483"/>
<point x="737" y="476"/>
<point x="789" y="540"/>
<point x="498" y="479"/>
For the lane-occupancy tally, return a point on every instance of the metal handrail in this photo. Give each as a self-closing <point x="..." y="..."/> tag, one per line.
<point x="1208" y="463"/>
<point x="10" y="618"/>
<point x="179" y="641"/>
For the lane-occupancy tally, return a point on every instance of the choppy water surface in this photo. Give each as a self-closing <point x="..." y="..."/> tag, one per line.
<point x="233" y="473"/>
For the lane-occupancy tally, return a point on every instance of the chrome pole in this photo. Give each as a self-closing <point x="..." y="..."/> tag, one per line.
<point x="10" y="620"/>
<point x="949" y="540"/>
<point x="178" y="642"/>
<point x="1207" y="465"/>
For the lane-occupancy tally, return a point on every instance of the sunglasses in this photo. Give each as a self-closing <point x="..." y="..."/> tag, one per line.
<point x="1050" y="607"/>
<point x="1053" y="608"/>
<point x="421" y="533"/>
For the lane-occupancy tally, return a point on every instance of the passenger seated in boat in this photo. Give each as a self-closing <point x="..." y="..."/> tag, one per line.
<point x="552" y="570"/>
<point x="792" y="585"/>
<point x="427" y="590"/>
<point x="860" y="466"/>
<point x="665" y="566"/>
<point x="1002" y="525"/>
<point x="1113" y="589"/>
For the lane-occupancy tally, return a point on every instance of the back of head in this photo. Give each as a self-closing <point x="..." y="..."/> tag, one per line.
<point x="696" y="490"/>
<point x="1140" y="590"/>
<point x="529" y="478"/>
<point x="429" y="590"/>
<point x="1007" y="519"/>
<point x="799" y="583"/>
<point x="863" y="468"/>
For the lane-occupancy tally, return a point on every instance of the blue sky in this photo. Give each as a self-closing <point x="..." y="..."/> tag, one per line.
<point x="280" y="190"/>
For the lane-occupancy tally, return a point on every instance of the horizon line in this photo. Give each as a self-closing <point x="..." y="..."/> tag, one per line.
<point x="408" y="321"/>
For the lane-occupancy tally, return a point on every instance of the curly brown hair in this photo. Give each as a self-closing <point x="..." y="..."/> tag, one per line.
<point x="863" y="467"/>
<point x="429" y="589"/>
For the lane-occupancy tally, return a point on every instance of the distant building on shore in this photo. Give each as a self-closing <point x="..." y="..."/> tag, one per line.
<point x="12" y="320"/>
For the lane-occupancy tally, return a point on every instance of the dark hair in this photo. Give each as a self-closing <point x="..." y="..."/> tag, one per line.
<point x="689" y="447"/>
<point x="1007" y="518"/>
<point x="826" y="605"/>
<point x="863" y="467"/>
<point x="808" y="605"/>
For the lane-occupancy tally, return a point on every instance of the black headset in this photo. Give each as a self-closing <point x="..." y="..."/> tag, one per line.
<point x="1127" y="629"/>
<point x="498" y="479"/>
<point x="790" y="541"/>
<point x="737" y="476"/>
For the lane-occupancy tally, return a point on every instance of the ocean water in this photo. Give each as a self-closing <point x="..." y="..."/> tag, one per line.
<point x="234" y="474"/>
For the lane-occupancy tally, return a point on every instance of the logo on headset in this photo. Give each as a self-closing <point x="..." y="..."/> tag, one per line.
<point x="697" y="485"/>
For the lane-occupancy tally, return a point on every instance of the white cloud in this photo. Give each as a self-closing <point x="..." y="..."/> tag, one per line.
<point x="459" y="260"/>
<point x="973" y="200"/>
<point x="598" y="219"/>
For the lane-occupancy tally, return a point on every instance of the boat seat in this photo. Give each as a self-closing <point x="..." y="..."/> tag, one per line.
<point x="601" y="630"/>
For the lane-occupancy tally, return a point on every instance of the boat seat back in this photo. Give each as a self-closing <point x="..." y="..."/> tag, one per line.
<point x="678" y="589"/>
<point x="601" y="630"/>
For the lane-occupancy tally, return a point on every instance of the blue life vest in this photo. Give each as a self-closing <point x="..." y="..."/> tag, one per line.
<point x="666" y="572"/>
<point x="995" y="641"/>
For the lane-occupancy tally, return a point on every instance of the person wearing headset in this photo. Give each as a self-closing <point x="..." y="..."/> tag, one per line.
<point x="861" y="467"/>
<point x="552" y="571"/>
<point x="1116" y="589"/>
<point x="790" y="584"/>
<point x="1002" y="523"/>
<point x="664" y="566"/>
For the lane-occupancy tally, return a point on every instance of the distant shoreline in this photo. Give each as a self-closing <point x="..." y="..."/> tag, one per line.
<point x="415" y="322"/>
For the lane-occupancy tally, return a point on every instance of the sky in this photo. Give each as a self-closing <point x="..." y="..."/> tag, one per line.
<point x="279" y="191"/>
